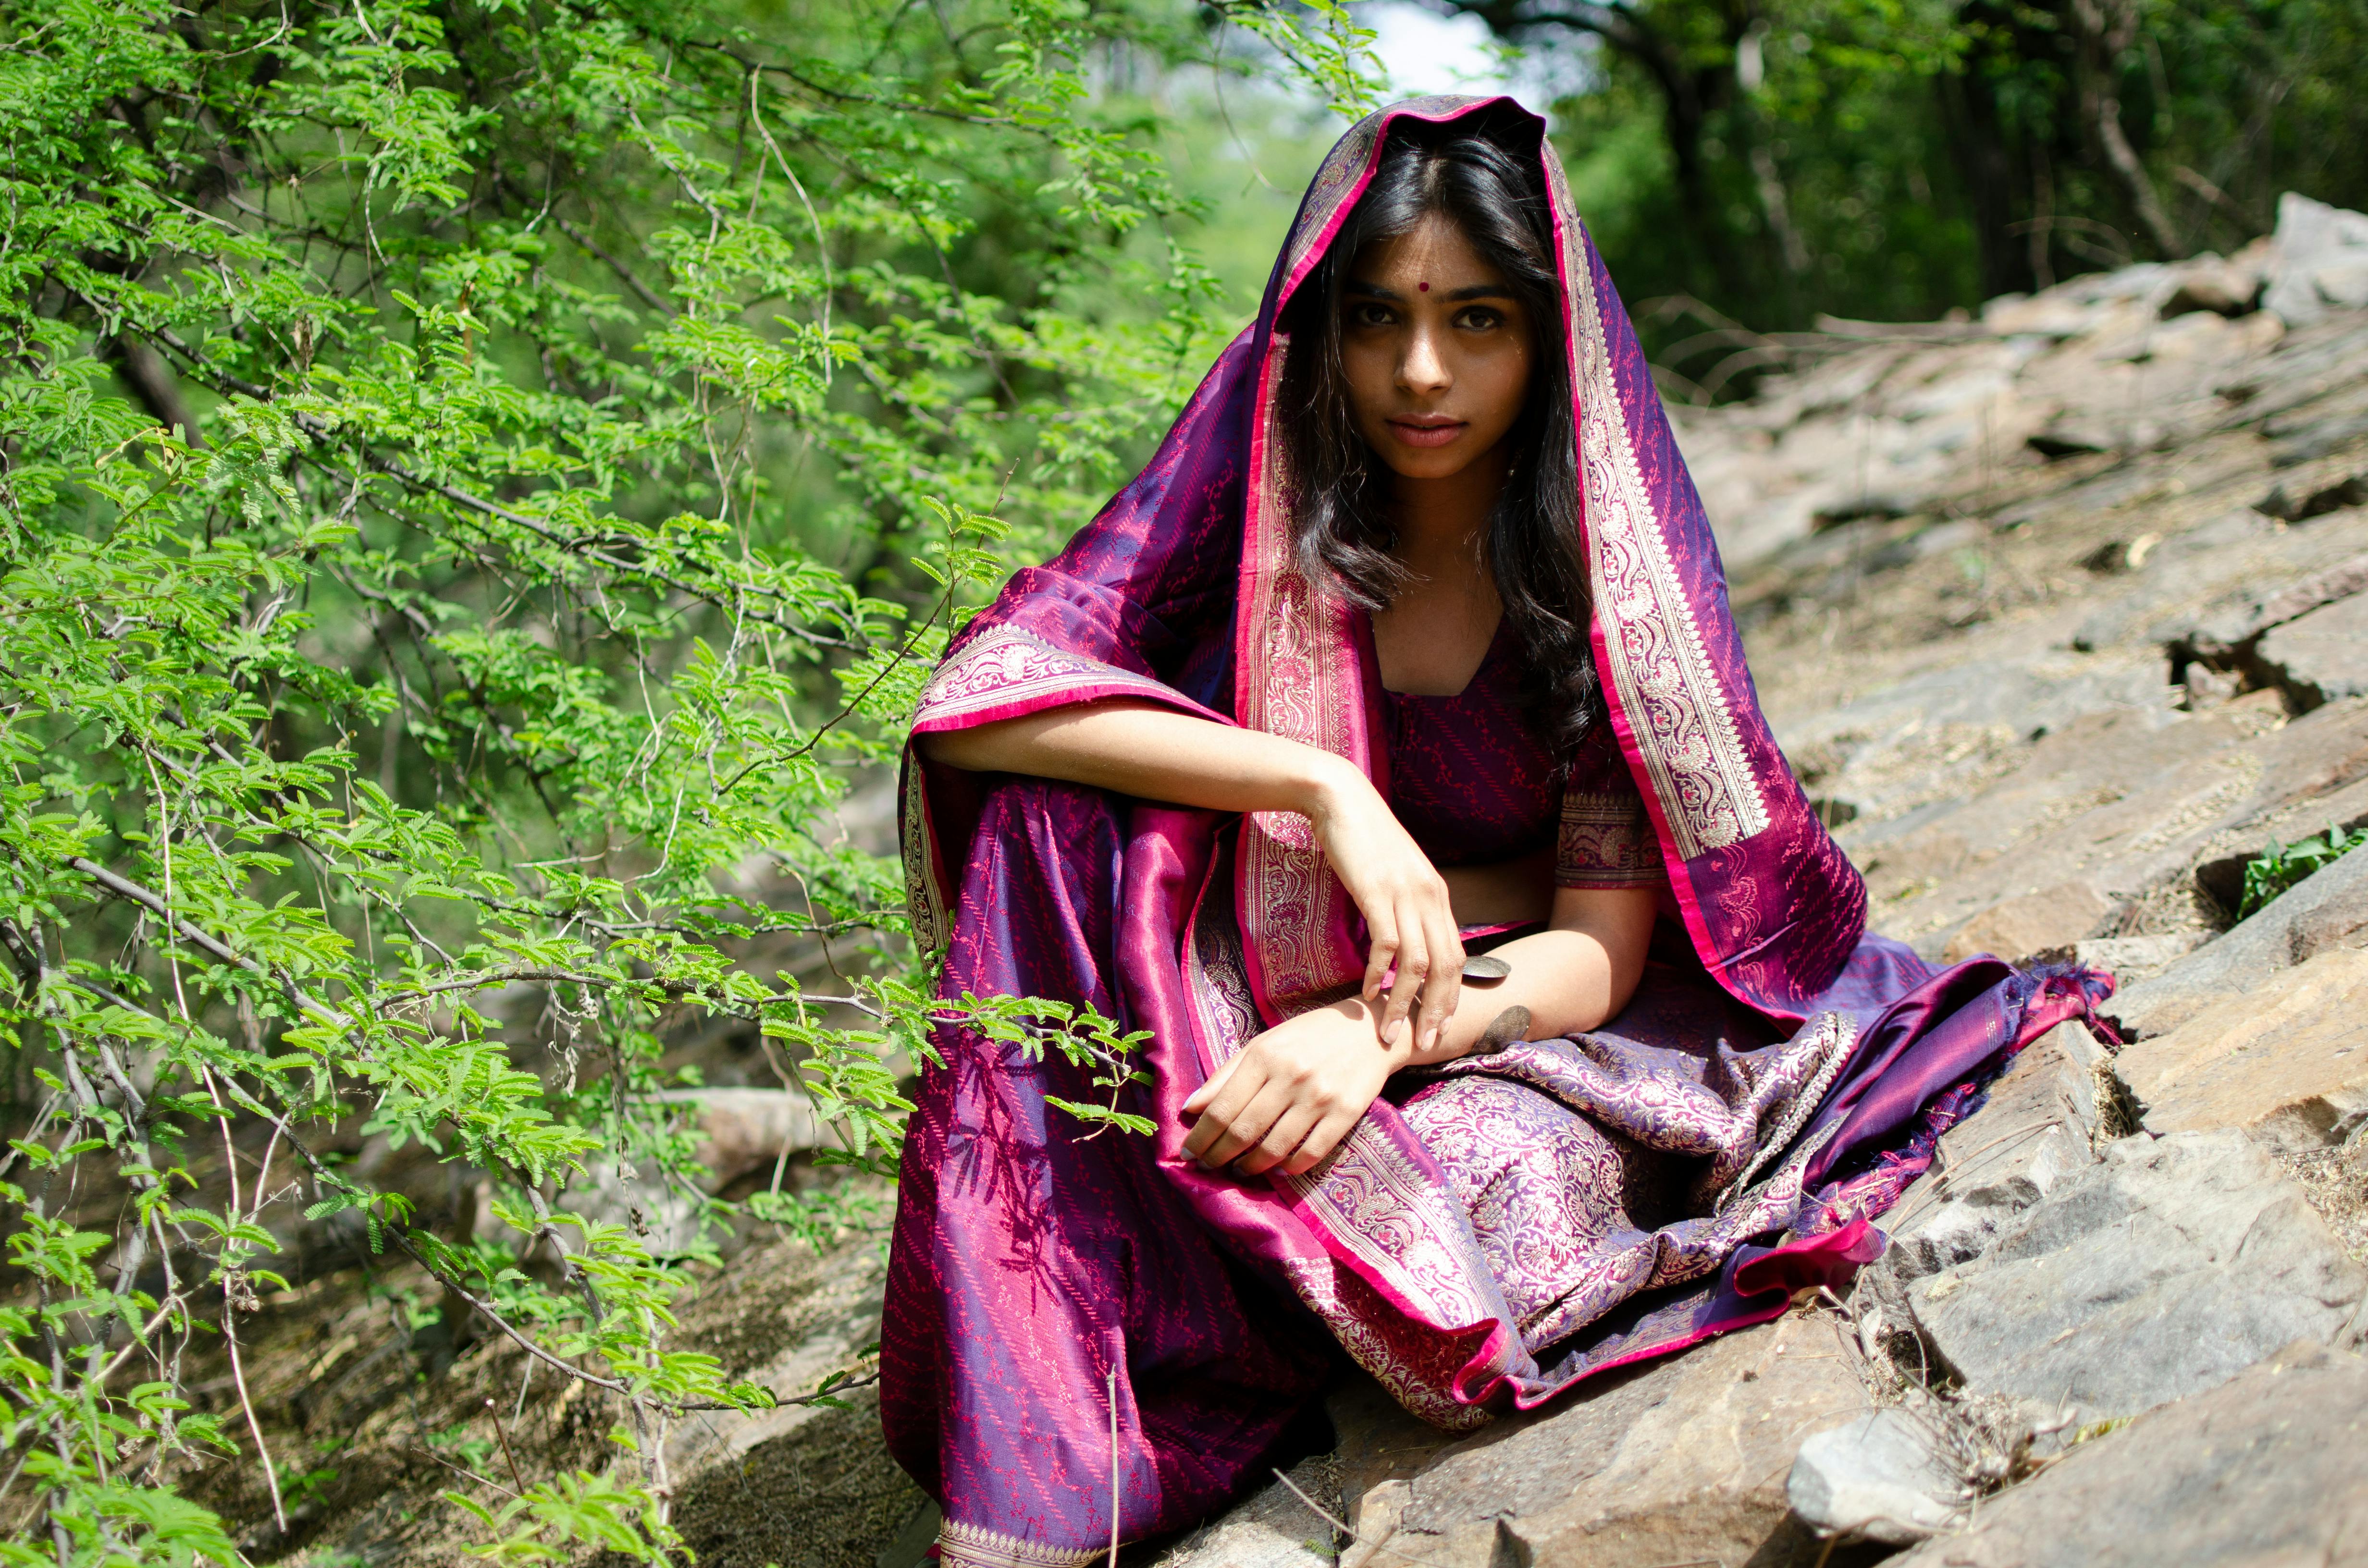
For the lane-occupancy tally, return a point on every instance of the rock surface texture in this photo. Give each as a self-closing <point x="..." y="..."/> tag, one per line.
<point x="2062" y="615"/>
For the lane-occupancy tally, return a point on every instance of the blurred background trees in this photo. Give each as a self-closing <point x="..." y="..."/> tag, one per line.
<point x="1893" y="159"/>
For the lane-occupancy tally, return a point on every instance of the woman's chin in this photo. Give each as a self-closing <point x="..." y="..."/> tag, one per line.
<point x="1428" y="462"/>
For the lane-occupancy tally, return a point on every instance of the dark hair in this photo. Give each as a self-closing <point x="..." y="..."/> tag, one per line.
<point x="1340" y="512"/>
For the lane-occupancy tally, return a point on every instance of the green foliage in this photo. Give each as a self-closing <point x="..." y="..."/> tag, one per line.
<point x="481" y="484"/>
<point x="2280" y="866"/>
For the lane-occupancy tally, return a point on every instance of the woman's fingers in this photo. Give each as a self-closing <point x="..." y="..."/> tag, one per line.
<point x="1382" y="926"/>
<point x="1281" y="1140"/>
<point x="1321" y="1140"/>
<point x="1248" y="1125"/>
<point x="1438" y="997"/>
<point x="1414" y="969"/>
<point x="1210" y="1088"/>
<point x="1216" y="1103"/>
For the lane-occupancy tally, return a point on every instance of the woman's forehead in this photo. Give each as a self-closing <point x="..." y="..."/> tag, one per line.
<point x="1432" y="257"/>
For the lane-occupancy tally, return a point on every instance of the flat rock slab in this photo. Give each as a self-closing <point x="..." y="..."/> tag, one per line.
<point x="2288" y="1060"/>
<point x="2324" y="911"/>
<point x="2017" y="928"/>
<point x="2039" y="1125"/>
<point x="1679" y="1460"/>
<point x="2158" y="1274"/>
<point x="1275" y="1527"/>
<point x="2270" y="1468"/>
<point x="2323" y="657"/>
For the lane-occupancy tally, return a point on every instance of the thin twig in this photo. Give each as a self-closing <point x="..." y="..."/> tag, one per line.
<point x="504" y="1437"/>
<point x="1340" y="1525"/>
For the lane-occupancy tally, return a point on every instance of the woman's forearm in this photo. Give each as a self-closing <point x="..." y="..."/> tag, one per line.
<point x="1154" y="753"/>
<point x="1572" y="978"/>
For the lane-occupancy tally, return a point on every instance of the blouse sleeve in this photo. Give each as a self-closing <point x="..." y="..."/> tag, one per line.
<point x="1607" y="838"/>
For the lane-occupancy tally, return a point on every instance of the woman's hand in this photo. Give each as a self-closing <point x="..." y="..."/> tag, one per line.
<point x="1405" y="902"/>
<point x="1291" y="1095"/>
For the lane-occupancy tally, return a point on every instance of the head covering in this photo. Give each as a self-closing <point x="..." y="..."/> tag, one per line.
<point x="1134" y="607"/>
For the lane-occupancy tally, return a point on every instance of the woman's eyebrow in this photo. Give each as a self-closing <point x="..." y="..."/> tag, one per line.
<point x="1361" y="286"/>
<point x="1481" y="291"/>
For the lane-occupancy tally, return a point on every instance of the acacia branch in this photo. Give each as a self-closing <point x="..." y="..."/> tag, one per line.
<point x="124" y="888"/>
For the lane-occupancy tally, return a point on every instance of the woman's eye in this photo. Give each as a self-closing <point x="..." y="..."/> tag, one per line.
<point x="1480" y="319"/>
<point x="1369" y="315"/>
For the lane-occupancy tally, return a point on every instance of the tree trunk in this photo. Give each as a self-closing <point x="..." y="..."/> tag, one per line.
<point x="2108" y="28"/>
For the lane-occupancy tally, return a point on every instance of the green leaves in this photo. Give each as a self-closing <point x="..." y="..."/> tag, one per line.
<point x="2280" y="866"/>
<point x="485" y="485"/>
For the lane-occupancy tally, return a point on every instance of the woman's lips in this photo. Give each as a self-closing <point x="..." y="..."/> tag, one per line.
<point x="1426" y="434"/>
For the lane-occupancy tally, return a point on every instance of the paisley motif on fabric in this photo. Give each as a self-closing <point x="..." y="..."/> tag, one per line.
<point x="925" y="901"/>
<point x="1685" y="726"/>
<point x="1006" y="667"/>
<point x="1417" y="1366"/>
<point x="1607" y="841"/>
<point x="1298" y="677"/>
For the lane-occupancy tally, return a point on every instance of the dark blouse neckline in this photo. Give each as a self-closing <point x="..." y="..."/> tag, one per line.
<point x="1497" y="644"/>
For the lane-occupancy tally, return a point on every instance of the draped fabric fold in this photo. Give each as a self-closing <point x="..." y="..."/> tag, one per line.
<point x="1493" y="1232"/>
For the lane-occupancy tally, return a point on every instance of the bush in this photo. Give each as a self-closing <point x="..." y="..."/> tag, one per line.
<point x="483" y="482"/>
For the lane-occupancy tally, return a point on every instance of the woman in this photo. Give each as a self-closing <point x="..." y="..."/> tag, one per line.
<point x="1410" y="642"/>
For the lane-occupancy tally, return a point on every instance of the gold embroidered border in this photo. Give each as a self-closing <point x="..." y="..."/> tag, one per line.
<point x="1010" y="666"/>
<point x="1370" y="1347"/>
<point x="1291" y="641"/>
<point x="1684" y="724"/>
<point x="978" y="1548"/>
<point x="1606" y="841"/>
<point x="925" y="901"/>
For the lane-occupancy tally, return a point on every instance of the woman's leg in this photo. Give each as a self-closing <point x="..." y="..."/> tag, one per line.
<point x="1032" y="1254"/>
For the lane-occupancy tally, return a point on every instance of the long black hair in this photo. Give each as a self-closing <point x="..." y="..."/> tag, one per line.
<point x="1341" y="492"/>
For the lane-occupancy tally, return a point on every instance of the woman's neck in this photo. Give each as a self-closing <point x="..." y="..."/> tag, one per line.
<point x="1433" y="637"/>
<point x="1442" y="524"/>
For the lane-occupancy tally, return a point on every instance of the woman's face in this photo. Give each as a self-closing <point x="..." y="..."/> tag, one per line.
<point x="1436" y="351"/>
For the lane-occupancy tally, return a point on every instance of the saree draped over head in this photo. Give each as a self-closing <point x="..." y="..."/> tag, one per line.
<point x="1075" y="1323"/>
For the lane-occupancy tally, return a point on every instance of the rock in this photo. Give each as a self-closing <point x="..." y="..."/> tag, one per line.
<point x="2040" y="1124"/>
<point x="749" y="1128"/>
<point x="2323" y="656"/>
<point x="1274" y="1528"/>
<point x="2287" y="1062"/>
<point x="2272" y="1467"/>
<point x="1880" y="1478"/>
<point x="2017" y="928"/>
<point x="2132" y="958"/>
<point x="911" y="1547"/>
<point x="1677" y="1460"/>
<point x="2207" y="283"/>
<point x="2225" y="640"/>
<point x="2321" y="261"/>
<point x="2325" y="909"/>
<point x="2158" y="1274"/>
<point x="2351" y="490"/>
<point x="822" y="1327"/>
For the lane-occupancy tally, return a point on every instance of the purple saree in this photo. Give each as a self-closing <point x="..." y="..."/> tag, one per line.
<point x="1496" y="1230"/>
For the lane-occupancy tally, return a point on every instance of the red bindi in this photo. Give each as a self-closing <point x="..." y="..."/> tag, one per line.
<point x="1424" y="287"/>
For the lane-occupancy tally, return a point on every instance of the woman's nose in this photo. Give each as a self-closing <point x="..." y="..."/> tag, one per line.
<point x="1422" y="368"/>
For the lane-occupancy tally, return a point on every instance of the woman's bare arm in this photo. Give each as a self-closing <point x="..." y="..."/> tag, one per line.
<point x="1571" y="977"/>
<point x="1291" y="1095"/>
<point x="1157" y="753"/>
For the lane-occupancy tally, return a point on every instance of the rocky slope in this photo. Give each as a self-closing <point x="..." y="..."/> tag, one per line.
<point x="2062" y="614"/>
